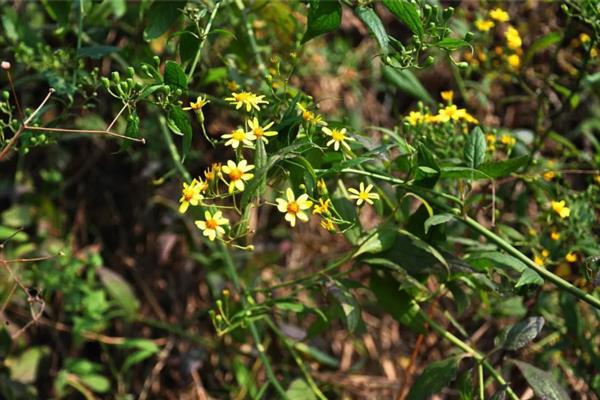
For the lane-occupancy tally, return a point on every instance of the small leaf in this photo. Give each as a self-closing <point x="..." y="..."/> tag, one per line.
<point x="407" y="13"/>
<point x="541" y="44"/>
<point x="543" y="383"/>
<point x="120" y="291"/>
<point x="373" y="22"/>
<point x="499" y="169"/>
<point x="174" y="75"/>
<point x="437" y="220"/>
<point x="529" y="277"/>
<point x="475" y="148"/>
<point x="299" y="390"/>
<point x="98" y="383"/>
<point x="161" y="15"/>
<point x="452" y="44"/>
<point x="380" y="241"/>
<point x="349" y="305"/>
<point x="523" y="332"/>
<point x="290" y="306"/>
<point x="323" y="17"/>
<point x="179" y="123"/>
<point x="434" y="378"/>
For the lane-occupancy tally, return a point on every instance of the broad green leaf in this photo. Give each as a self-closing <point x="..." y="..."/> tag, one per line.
<point x="407" y="82"/>
<point x="475" y="148"/>
<point x="377" y="242"/>
<point x="58" y="10"/>
<point x="407" y="13"/>
<point x="502" y="259"/>
<point x="299" y="390"/>
<point x="523" y="332"/>
<point x="160" y="17"/>
<point x="120" y="291"/>
<point x="543" y="383"/>
<point x="452" y="44"/>
<point x="323" y="17"/>
<point x="529" y="277"/>
<point x="179" y="123"/>
<point x="373" y="22"/>
<point x="499" y="169"/>
<point x="462" y="173"/>
<point x="434" y="378"/>
<point x="98" y="383"/>
<point x="12" y="233"/>
<point x="188" y="46"/>
<point x="24" y="368"/>
<point x="437" y="220"/>
<point x="174" y="75"/>
<point x="425" y="158"/>
<point x="348" y="303"/>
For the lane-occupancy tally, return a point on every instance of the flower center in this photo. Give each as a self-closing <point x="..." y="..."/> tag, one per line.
<point x="235" y="174"/>
<point x="238" y="135"/>
<point x="258" y="131"/>
<point x="293" y="207"/>
<point x="211" y="224"/>
<point x="307" y="115"/>
<point x="364" y="195"/>
<point x="243" y="97"/>
<point x="337" y="135"/>
<point x="188" y="193"/>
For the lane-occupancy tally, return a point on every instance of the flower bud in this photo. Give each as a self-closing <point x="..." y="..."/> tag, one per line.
<point x="156" y="60"/>
<point x="5" y="94"/>
<point x="105" y="82"/>
<point x="115" y="76"/>
<point x="130" y="72"/>
<point x="5" y="65"/>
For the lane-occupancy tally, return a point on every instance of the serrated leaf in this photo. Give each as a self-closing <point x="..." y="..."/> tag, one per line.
<point x="179" y="122"/>
<point x="434" y="378"/>
<point x="475" y="148"/>
<point x="407" y="13"/>
<point x="160" y="17"/>
<point x="543" y="383"/>
<point x="323" y="17"/>
<point x="523" y="332"/>
<point x="437" y="220"/>
<point x="373" y="22"/>
<point x="174" y="75"/>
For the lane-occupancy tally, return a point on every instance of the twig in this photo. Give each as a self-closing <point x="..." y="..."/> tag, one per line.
<point x="162" y="359"/>
<point x="117" y="117"/>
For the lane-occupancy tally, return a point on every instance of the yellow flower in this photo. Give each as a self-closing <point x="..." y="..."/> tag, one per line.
<point x="238" y="137"/>
<point x="571" y="257"/>
<point x="213" y="172"/>
<point x="549" y="175"/>
<point x="294" y="208"/>
<point x="414" y="118"/>
<point x="338" y="136"/>
<point x="597" y="179"/>
<point x="247" y="99"/>
<point x="532" y="232"/>
<point x="447" y="95"/>
<point x="508" y="140"/>
<point x="363" y="194"/>
<point x="584" y="37"/>
<point x="545" y="253"/>
<point x="232" y="86"/>
<point x="484" y="25"/>
<point x="491" y="138"/>
<point x="514" y="61"/>
<point x="322" y="186"/>
<point x="327" y="224"/>
<point x="200" y="102"/>
<point x="554" y="235"/>
<point x="462" y="113"/>
<point x="322" y="208"/>
<point x="202" y="185"/>
<point x="451" y="112"/>
<point x="560" y="208"/>
<point x="190" y="195"/>
<point x="309" y="116"/>
<point x="499" y="15"/>
<point x="513" y="39"/>
<point x="237" y="174"/>
<point x="261" y="132"/>
<point x="212" y="225"/>
<point x="539" y="261"/>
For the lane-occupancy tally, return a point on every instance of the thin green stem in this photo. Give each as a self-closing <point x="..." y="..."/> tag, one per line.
<point x="231" y="270"/>
<point x="173" y="149"/>
<point x="471" y="351"/>
<point x="481" y="381"/>
<point x="205" y="33"/>
<point x="251" y="38"/>
<point x="79" y="34"/>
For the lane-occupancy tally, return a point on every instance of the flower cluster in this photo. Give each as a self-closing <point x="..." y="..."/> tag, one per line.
<point x="446" y="113"/>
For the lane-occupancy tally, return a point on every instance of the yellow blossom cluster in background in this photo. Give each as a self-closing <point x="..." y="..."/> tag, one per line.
<point x="499" y="18"/>
<point x="449" y="113"/>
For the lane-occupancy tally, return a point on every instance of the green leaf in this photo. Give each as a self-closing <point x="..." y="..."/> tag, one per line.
<point x="407" y="13"/>
<point x="475" y="148"/>
<point x="179" y="123"/>
<point x="500" y="258"/>
<point x="97" y="383"/>
<point x="97" y="52"/>
<point x="407" y="82"/>
<point x="462" y="173"/>
<point x="290" y="306"/>
<point x="434" y="378"/>
<point x="452" y="44"/>
<point x="58" y="10"/>
<point x="188" y="46"/>
<point x="349" y="305"/>
<point x="543" y="383"/>
<point x="323" y="17"/>
<point x="174" y="75"/>
<point x="529" y="277"/>
<point x="437" y="220"/>
<point x="523" y="332"/>
<point x="299" y="390"/>
<point x="120" y="291"/>
<point x="377" y="242"/>
<point x="373" y="22"/>
<point x="243" y="376"/>
<point x="161" y="15"/>
<point x="499" y="169"/>
<point x="541" y="44"/>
